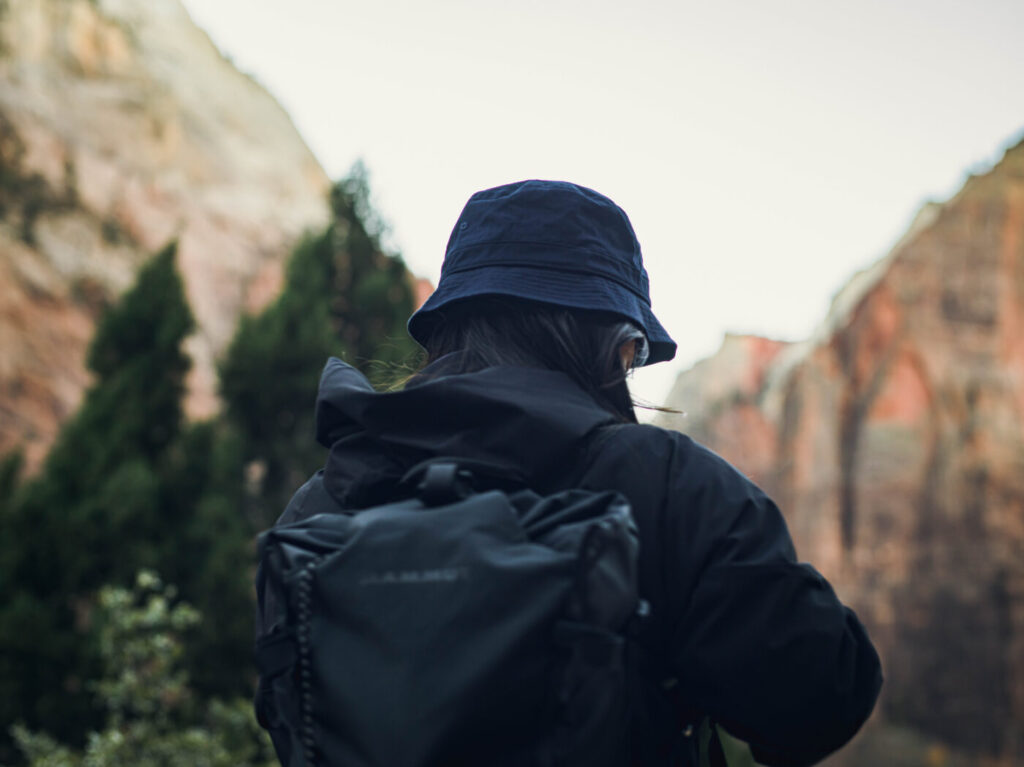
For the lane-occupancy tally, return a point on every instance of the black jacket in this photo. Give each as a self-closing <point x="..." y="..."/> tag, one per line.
<point x="745" y="634"/>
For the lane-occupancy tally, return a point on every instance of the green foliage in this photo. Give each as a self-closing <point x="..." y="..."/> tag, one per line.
<point x="373" y="294"/>
<point x="133" y="410"/>
<point x="129" y="485"/>
<point x="214" y="556"/>
<point x="153" y="719"/>
<point x="10" y="475"/>
<point x="99" y="510"/>
<point x="343" y="296"/>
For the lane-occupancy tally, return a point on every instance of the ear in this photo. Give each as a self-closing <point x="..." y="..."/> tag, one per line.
<point x="627" y="352"/>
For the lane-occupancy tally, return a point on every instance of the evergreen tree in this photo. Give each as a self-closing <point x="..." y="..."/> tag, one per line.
<point x="343" y="296"/>
<point x="10" y="474"/>
<point x="98" y="511"/>
<point x="129" y="485"/>
<point x="372" y="294"/>
<point x="214" y="556"/>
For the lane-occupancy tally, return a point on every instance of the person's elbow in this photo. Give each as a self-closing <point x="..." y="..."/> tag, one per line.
<point x="772" y="655"/>
<point x="835" y="690"/>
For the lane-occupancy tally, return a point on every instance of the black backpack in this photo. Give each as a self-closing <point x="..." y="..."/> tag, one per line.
<point x="462" y="626"/>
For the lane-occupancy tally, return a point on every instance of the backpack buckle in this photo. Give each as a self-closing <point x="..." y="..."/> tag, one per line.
<point x="443" y="483"/>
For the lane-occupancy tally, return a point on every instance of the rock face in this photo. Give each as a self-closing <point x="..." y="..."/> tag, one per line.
<point x="122" y="128"/>
<point x="894" y="442"/>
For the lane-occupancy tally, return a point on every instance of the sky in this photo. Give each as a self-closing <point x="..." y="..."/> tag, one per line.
<point x="764" y="151"/>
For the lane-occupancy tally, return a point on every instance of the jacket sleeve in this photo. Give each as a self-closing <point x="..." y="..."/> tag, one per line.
<point x="758" y="641"/>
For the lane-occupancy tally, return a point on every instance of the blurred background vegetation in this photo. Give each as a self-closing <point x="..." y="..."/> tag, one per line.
<point x="95" y="673"/>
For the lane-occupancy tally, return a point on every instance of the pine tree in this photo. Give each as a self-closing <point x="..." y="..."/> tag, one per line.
<point x="98" y="510"/>
<point x="214" y="556"/>
<point x="10" y="475"/>
<point x="130" y="485"/>
<point x="343" y="296"/>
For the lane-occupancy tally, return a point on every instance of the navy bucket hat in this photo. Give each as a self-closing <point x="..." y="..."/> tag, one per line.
<point x="552" y="242"/>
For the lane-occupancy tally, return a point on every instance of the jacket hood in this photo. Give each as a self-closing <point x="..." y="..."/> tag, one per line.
<point x="525" y="421"/>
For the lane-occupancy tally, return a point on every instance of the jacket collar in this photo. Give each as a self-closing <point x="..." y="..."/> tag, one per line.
<point x="521" y="419"/>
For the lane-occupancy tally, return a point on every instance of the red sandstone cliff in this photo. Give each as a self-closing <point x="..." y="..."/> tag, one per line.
<point x="121" y="128"/>
<point x="894" y="442"/>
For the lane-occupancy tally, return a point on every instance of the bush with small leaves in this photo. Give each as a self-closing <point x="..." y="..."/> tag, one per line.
<point x="153" y="719"/>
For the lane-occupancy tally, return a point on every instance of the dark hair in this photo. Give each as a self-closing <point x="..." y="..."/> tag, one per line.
<point x="494" y="330"/>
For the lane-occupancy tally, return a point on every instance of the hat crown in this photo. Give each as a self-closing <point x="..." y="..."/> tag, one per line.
<point x="550" y="242"/>
<point x="551" y="215"/>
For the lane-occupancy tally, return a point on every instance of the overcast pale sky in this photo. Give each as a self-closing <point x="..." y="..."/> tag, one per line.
<point x="765" y="151"/>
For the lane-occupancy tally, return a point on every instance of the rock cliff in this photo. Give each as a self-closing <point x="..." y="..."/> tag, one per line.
<point x="121" y="128"/>
<point x="894" y="442"/>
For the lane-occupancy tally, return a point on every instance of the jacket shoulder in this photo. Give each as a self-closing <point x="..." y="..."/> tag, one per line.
<point x="307" y="501"/>
<point x="681" y="460"/>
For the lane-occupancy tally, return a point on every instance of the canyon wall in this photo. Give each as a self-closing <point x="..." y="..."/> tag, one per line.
<point x="893" y="440"/>
<point x="123" y="128"/>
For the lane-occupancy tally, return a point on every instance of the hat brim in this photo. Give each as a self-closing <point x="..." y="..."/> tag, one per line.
<point x="575" y="290"/>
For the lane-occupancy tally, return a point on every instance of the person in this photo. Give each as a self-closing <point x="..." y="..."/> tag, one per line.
<point x="542" y="309"/>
